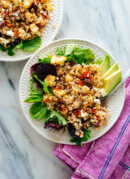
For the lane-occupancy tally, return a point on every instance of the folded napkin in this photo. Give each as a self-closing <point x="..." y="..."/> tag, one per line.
<point x="108" y="156"/>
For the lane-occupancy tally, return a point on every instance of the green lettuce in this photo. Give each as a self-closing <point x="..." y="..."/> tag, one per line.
<point x="60" y="52"/>
<point x="99" y="61"/>
<point x="77" y="54"/>
<point x="32" y="45"/>
<point x="55" y="117"/>
<point x="27" y="45"/>
<point x="46" y="88"/>
<point x="85" y="137"/>
<point x="35" y="95"/>
<point x="46" y="59"/>
<point x="11" y="50"/>
<point x="38" y="111"/>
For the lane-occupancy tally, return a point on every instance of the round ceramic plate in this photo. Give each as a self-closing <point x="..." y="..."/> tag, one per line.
<point x="49" y="33"/>
<point x="114" y="102"/>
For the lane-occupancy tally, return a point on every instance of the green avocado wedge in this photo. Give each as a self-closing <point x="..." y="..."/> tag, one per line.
<point x="112" y="81"/>
<point x="105" y="65"/>
<point x="113" y="69"/>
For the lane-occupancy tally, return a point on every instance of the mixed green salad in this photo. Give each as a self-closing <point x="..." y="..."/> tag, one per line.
<point x="25" y="45"/>
<point x="40" y="87"/>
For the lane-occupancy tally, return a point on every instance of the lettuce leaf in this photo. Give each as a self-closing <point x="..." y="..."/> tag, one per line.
<point x="80" y="56"/>
<point x="99" y="61"/>
<point x="46" y="88"/>
<point x="55" y="117"/>
<point x="11" y="50"/>
<point x="77" y="54"/>
<point x="3" y="49"/>
<point x="27" y="45"/>
<point x="46" y="59"/>
<point x="32" y="45"/>
<point x="35" y="95"/>
<point x="85" y="137"/>
<point x="69" y="49"/>
<point x="38" y="111"/>
<point x="60" y="51"/>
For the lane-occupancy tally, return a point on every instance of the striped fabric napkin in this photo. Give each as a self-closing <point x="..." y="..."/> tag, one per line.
<point x="108" y="156"/>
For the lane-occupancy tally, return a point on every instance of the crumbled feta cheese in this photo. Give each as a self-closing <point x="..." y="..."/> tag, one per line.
<point x="1" y="19"/>
<point x="10" y="33"/>
<point x="16" y="13"/>
<point x="95" y="88"/>
<point x="3" y="10"/>
<point x="83" y="114"/>
<point x="103" y="93"/>
<point x="40" y="18"/>
<point x="97" y="101"/>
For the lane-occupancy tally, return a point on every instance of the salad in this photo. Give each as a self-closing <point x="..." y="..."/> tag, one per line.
<point x="22" y="23"/>
<point x="67" y="91"/>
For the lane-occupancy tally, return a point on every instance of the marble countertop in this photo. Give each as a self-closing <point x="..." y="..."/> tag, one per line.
<point x="23" y="152"/>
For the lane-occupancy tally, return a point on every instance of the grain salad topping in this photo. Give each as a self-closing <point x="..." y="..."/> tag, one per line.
<point x="76" y="94"/>
<point x="22" y="20"/>
<point x="69" y="92"/>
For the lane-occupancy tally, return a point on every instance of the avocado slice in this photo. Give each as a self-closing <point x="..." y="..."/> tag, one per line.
<point x="112" y="81"/>
<point x="113" y="69"/>
<point x="105" y="65"/>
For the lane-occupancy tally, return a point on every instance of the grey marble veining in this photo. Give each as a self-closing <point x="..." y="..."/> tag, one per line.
<point x="23" y="152"/>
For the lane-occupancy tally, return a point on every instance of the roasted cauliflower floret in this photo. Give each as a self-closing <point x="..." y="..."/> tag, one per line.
<point x="85" y="90"/>
<point x="27" y="3"/>
<point x="68" y="99"/>
<point x="5" y="4"/>
<point x="34" y="29"/>
<point x="58" y="60"/>
<point x="22" y="33"/>
<point x="68" y="78"/>
<point x="30" y="16"/>
<point x="59" y="92"/>
<point x="51" y="80"/>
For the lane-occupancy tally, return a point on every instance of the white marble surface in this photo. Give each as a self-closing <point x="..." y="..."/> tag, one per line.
<point x="23" y="153"/>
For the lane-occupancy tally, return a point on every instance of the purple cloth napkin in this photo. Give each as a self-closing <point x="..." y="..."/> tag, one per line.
<point x="108" y="156"/>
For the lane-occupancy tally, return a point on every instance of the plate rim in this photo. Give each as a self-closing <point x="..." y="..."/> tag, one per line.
<point x="42" y="46"/>
<point x="20" y="83"/>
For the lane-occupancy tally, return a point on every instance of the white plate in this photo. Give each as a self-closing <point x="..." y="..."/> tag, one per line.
<point x="49" y="33"/>
<point x="114" y="102"/>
